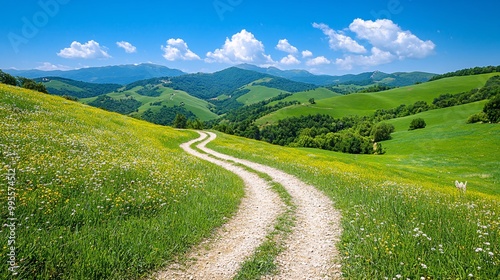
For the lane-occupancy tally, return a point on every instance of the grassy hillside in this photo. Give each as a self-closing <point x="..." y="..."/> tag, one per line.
<point x="366" y="103"/>
<point x="258" y="93"/>
<point x="169" y="98"/>
<point x="68" y="87"/>
<point x="304" y="96"/>
<point x="402" y="215"/>
<point x="99" y="195"/>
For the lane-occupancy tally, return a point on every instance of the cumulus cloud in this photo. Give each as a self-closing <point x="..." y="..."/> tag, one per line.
<point x="339" y="41"/>
<point x="177" y="49"/>
<point x="377" y="57"/>
<point x="47" y="66"/>
<point x="388" y="41"/>
<point x="243" y="47"/>
<point x="89" y="50"/>
<point x="289" y="60"/>
<point x="388" y="36"/>
<point x="284" y="45"/>
<point x="129" y="48"/>
<point x="306" y="53"/>
<point x="320" y="60"/>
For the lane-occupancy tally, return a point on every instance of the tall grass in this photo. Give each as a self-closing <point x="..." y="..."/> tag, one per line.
<point x="100" y="195"/>
<point x="398" y="220"/>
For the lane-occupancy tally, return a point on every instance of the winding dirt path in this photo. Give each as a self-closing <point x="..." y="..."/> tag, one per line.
<point x="221" y="256"/>
<point x="310" y="251"/>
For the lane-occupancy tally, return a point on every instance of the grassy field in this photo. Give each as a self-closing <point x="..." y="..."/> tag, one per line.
<point x="258" y="93"/>
<point x="402" y="215"/>
<point x="62" y="86"/>
<point x="99" y="195"/>
<point x="363" y="104"/>
<point x="304" y="96"/>
<point x="169" y="98"/>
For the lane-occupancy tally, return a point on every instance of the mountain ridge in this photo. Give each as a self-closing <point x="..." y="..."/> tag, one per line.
<point x="116" y="74"/>
<point x="299" y="75"/>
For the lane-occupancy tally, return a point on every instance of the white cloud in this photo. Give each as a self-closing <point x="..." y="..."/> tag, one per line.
<point x="306" y="53"/>
<point x="339" y="41"/>
<point x="243" y="47"/>
<point x="388" y="36"/>
<point x="377" y="57"/>
<point x="47" y="66"/>
<point x="89" y="50"/>
<point x="320" y="60"/>
<point x="177" y="49"/>
<point x="284" y="46"/>
<point x="129" y="48"/>
<point x="289" y="60"/>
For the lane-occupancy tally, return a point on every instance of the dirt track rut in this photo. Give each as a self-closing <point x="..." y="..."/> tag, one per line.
<point x="310" y="251"/>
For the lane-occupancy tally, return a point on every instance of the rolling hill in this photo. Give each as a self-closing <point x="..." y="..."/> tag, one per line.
<point x="395" y="79"/>
<point x="167" y="97"/>
<point x="102" y="195"/>
<point x="225" y="82"/>
<point x="363" y="104"/>
<point x="67" y="87"/>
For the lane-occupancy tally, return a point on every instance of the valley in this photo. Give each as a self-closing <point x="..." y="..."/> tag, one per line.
<point x="128" y="199"/>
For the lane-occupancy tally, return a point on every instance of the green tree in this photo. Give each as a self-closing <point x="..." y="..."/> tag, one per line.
<point x="180" y="121"/>
<point x="311" y="100"/>
<point x="7" y="79"/>
<point x="30" y="84"/>
<point x="417" y="123"/>
<point x="382" y="131"/>
<point x="492" y="109"/>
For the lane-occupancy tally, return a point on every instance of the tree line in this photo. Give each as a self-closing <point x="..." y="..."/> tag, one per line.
<point x="349" y="134"/>
<point x="8" y="79"/>
<point x="468" y="72"/>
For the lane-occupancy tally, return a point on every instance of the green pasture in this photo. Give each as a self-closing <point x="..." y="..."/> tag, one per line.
<point x="363" y="104"/>
<point x="100" y="195"/>
<point x="402" y="215"/>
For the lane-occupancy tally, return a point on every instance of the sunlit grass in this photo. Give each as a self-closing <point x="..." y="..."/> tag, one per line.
<point x="364" y="104"/>
<point x="401" y="214"/>
<point x="100" y="195"/>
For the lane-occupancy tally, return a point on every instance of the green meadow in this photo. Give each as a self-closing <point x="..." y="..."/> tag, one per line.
<point x="258" y="93"/>
<point x="402" y="215"/>
<point x="363" y="104"/>
<point x="168" y="97"/>
<point x="99" y="195"/>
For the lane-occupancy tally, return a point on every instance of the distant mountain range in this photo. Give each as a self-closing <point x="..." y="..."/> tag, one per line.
<point x="125" y="74"/>
<point x="367" y="78"/>
<point x="120" y="74"/>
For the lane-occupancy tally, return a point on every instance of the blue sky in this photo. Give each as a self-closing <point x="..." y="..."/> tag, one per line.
<point x="330" y="37"/>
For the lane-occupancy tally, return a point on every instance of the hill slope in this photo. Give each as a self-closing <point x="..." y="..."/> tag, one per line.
<point x="101" y="195"/>
<point x="227" y="81"/>
<point x="67" y="87"/>
<point x="394" y="79"/>
<point x="164" y="97"/>
<point x="366" y="103"/>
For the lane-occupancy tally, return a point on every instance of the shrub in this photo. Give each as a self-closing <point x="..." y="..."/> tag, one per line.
<point x="417" y="123"/>
<point x="479" y="117"/>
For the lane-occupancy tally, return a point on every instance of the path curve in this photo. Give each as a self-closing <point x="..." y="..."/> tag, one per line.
<point x="220" y="257"/>
<point x="310" y="251"/>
